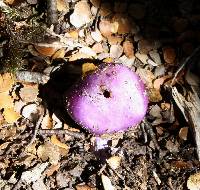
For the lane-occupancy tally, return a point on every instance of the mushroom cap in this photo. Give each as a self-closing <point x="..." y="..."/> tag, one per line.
<point x="109" y="100"/>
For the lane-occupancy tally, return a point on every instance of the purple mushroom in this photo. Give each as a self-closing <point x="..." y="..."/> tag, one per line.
<point x="109" y="100"/>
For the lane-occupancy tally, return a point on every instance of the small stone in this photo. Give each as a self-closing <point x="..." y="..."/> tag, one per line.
<point x="96" y="35"/>
<point x="155" y="56"/>
<point x="169" y="55"/>
<point x="116" y="51"/>
<point x="81" y="15"/>
<point x="128" y="49"/>
<point x="137" y="10"/>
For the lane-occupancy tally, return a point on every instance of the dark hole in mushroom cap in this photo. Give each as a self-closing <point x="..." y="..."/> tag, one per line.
<point x="106" y="94"/>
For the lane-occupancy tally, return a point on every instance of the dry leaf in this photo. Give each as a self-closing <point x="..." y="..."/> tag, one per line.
<point x="2" y="120"/>
<point x="62" y="5"/>
<point x="29" y="92"/>
<point x="107" y="183"/>
<point x="116" y="51"/>
<point x="114" y="27"/>
<point x="182" y="164"/>
<point x="154" y="95"/>
<point x="88" y="51"/>
<point x="34" y="174"/>
<point x="108" y="60"/>
<point x="6" y="82"/>
<point x="159" y="82"/>
<point x="78" y="56"/>
<point x="56" y="142"/>
<point x="49" y="151"/>
<point x="105" y="28"/>
<point x="88" y="68"/>
<point x="51" y="169"/>
<point x="114" y="40"/>
<point x="74" y="34"/>
<point x="142" y="57"/>
<point x="96" y="35"/>
<point x="47" y="122"/>
<point x="124" y="25"/>
<point x="193" y="182"/>
<point x="98" y="48"/>
<point x="169" y="55"/>
<point x="59" y="54"/>
<point x="114" y="162"/>
<point x="83" y="187"/>
<point x="81" y="15"/>
<point x="183" y="133"/>
<point x="11" y="115"/>
<point x="8" y="133"/>
<point x="45" y="51"/>
<point x="147" y="76"/>
<point x="5" y="100"/>
<point x="128" y="49"/>
<point x="11" y="2"/>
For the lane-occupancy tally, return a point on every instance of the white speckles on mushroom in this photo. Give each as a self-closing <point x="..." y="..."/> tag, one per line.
<point x="112" y="99"/>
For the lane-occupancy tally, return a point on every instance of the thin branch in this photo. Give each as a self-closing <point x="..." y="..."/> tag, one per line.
<point x="188" y="59"/>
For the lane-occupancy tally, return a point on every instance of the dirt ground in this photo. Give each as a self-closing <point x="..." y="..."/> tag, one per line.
<point x="46" y="46"/>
